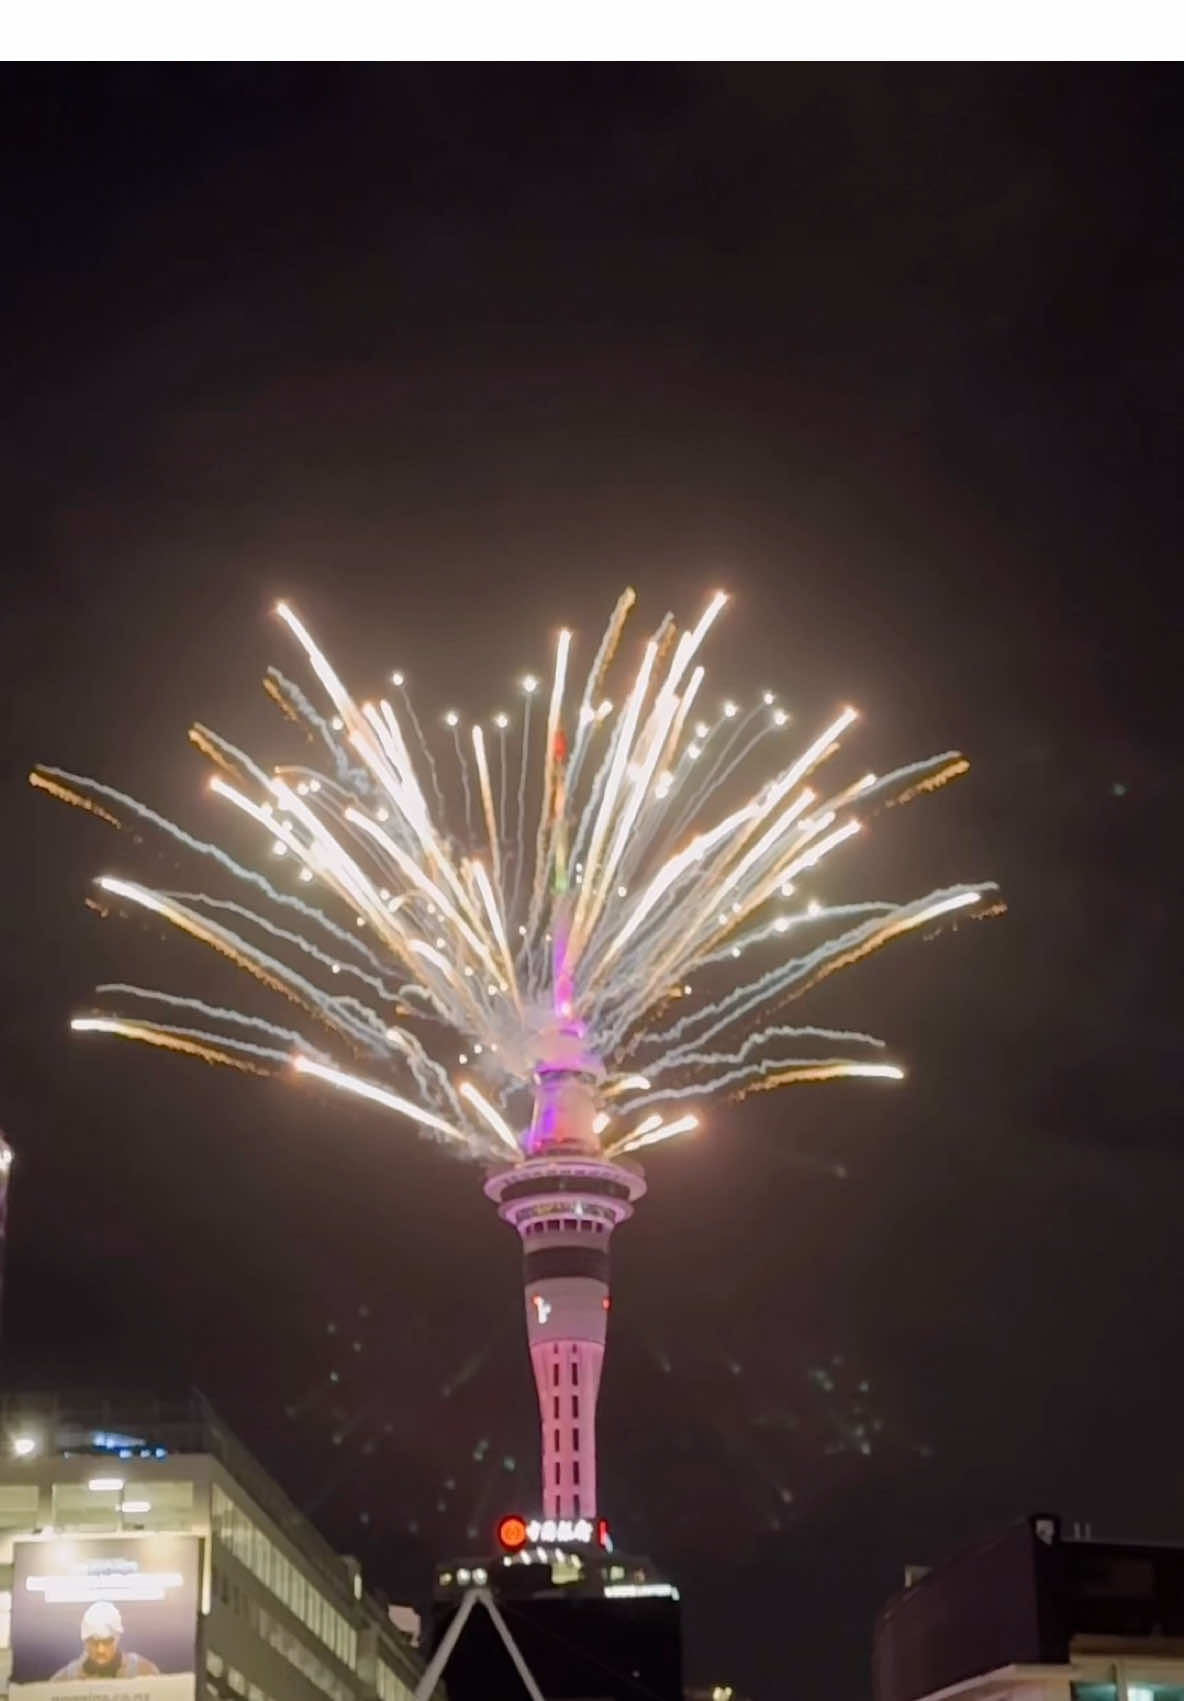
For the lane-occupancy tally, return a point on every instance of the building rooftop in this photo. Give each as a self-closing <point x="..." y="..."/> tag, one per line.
<point x="1029" y="1598"/>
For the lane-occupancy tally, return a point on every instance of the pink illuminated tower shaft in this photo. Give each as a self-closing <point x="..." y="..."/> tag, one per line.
<point x="565" y="1201"/>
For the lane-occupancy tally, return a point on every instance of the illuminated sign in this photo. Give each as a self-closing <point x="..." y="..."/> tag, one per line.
<point x="512" y="1533"/>
<point x="560" y="1530"/>
<point x="108" y="1579"/>
<point x="123" y="1609"/>
<point x="567" y="1530"/>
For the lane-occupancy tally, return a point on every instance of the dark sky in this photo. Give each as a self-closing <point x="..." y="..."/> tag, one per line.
<point x="449" y="356"/>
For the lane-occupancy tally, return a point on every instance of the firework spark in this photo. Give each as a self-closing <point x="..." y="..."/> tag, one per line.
<point x="616" y="913"/>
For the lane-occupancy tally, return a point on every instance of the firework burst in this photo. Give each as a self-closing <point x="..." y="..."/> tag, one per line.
<point x="604" y="931"/>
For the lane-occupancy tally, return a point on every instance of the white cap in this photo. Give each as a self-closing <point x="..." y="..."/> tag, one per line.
<point x="101" y="1619"/>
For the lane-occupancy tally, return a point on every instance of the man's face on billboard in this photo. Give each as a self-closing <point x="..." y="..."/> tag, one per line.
<point x="102" y="1651"/>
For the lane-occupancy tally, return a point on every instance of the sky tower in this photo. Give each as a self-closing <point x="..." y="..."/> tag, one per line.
<point x="565" y="1200"/>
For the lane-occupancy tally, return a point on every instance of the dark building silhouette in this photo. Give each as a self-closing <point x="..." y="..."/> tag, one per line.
<point x="1033" y="1614"/>
<point x="590" y="1626"/>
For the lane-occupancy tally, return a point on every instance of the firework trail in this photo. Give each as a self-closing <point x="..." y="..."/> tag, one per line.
<point x="530" y="685"/>
<point x="500" y="721"/>
<point x="452" y="720"/>
<point x="400" y="683"/>
<point x="644" y="942"/>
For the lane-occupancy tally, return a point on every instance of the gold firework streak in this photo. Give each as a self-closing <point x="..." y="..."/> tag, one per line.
<point x="199" y="740"/>
<point x="207" y="932"/>
<point x="838" y="1071"/>
<point x="932" y="782"/>
<point x="75" y="798"/>
<point x="286" y="708"/>
<point x="148" y="1035"/>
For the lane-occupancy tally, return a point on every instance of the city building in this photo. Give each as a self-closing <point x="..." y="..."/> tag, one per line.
<point x="590" y="1624"/>
<point x="1036" y="1616"/>
<point x="152" y="1524"/>
<point x="565" y="1200"/>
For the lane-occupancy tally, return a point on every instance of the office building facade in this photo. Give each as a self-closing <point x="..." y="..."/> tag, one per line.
<point x="89" y="1489"/>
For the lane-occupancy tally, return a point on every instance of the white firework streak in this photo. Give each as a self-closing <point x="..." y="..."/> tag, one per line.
<point x="234" y="1018"/>
<point x="681" y="1057"/>
<point x="782" y="924"/>
<point x="741" y="1002"/>
<point x="656" y="862"/>
<point x="463" y="767"/>
<point x="397" y="679"/>
<point x="812" y="1068"/>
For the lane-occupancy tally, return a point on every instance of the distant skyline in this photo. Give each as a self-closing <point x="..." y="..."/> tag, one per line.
<point x="448" y="355"/>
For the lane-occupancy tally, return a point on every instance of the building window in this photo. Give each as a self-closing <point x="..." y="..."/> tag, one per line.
<point x="576" y="1405"/>
<point x="557" y="1473"/>
<point x="576" y="1471"/>
<point x="298" y="1655"/>
<point x="576" y="1439"/>
<point x="576" y="1373"/>
<point x="18" y="1506"/>
<point x="556" y="1441"/>
<point x="556" y="1406"/>
<point x="389" y="1686"/>
<point x="556" y="1374"/>
<point x="253" y="1549"/>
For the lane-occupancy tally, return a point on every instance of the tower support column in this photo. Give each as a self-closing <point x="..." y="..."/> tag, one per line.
<point x="565" y="1207"/>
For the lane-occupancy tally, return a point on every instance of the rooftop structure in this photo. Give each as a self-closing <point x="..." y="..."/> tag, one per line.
<point x="585" y="1621"/>
<point x="1034" y="1616"/>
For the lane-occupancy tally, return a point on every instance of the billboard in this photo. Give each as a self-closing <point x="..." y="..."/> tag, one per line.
<point x="105" y="1616"/>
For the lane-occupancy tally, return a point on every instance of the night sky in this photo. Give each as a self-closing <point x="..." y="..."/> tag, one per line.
<point x="449" y="356"/>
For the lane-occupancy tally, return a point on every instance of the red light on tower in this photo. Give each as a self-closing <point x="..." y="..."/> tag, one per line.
<point x="512" y="1533"/>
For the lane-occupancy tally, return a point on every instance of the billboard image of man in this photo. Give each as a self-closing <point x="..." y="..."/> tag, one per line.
<point x="101" y="1631"/>
<point x="133" y="1600"/>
